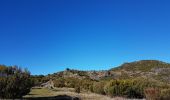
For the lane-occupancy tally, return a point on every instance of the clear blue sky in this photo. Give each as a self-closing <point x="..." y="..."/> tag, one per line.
<point x="47" y="36"/>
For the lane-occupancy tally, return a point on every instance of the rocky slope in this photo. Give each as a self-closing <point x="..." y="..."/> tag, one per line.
<point x="152" y="69"/>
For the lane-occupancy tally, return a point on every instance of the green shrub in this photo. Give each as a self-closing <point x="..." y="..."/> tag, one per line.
<point x="14" y="82"/>
<point x="113" y="88"/>
<point x="126" y="88"/>
<point x="98" y="87"/>
<point x="84" y="84"/>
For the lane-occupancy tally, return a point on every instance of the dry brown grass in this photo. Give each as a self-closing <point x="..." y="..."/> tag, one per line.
<point x="40" y="92"/>
<point x="44" y="92"/>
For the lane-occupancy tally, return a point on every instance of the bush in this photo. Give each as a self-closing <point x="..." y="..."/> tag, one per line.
<point x="71" y="82"/>
<point x="14" y="82"/>
<point x="165" y="94"/>
<point x="86" y="84"/>
<point x="126" y="88"/>
<point x="38" y="79"/>
<point x="59" y="82"/>
<point x="113" y="88"/>
<point x="77" y="89"/>
<point x="98" y="87"/>
<point x="152" y="93"/>
<point x="157" y="94"/>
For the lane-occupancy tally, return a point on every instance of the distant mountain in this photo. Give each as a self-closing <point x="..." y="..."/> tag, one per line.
<point x="151" y="69"/>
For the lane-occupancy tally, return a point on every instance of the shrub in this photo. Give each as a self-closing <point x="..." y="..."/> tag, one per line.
<point x="126" y="88"/>
<point x="14" y="82"/>
<point x="71" y="82"/>
<point x="98" y="87"/>
<point x="152" y="93"/>
<point x="77" y="89"/>
<point x="86" y="84"/>
<point x="38" y="79"/>
<point x="113" y="88"/>
<point x="165" y="94"/>
<point x="59" y="82"/>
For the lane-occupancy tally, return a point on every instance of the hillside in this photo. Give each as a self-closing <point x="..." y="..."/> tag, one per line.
<point x="151" y="69"/>
<point x="143" y="65"/>
<point x="137" y="79"/>
<point x="71" y="73"/>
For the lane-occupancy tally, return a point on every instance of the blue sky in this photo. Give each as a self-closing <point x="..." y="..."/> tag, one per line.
<point x="47" y="36"/>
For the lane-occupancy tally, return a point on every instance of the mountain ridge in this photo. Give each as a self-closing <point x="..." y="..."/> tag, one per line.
<point x="152" y="69"/>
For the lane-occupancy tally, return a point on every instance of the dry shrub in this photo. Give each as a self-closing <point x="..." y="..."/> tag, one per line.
<point x="152" y="93"/>
<point x="165" y="94"/>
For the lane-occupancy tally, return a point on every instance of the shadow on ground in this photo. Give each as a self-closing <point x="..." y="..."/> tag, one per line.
<point x="60" y="97"/>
